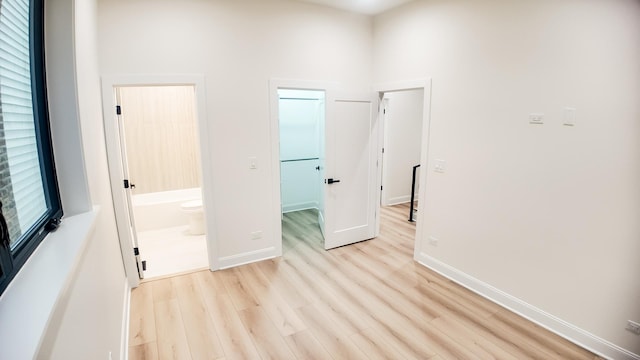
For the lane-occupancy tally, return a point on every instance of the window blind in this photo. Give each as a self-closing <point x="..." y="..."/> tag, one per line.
<point x="17" y="114"/>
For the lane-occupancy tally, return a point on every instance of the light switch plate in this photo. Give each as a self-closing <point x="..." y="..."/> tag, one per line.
<point x="569" y="116"/>
<point x="439" y="165"/>
<point x="253" y="162"/>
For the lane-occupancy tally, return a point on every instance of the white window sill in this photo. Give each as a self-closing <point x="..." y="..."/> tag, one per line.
<point x="28" y="303"/>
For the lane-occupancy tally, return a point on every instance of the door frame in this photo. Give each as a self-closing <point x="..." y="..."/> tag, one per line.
<point x="416" y="84"/>
<point x="109" y="83"/>
<point x="274" y="110"/>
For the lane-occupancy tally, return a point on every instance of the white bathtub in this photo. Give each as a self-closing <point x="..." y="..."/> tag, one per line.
<point x="161" y="210"/>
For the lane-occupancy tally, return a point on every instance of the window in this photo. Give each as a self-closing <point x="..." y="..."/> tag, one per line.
<point x="28" y="188"/>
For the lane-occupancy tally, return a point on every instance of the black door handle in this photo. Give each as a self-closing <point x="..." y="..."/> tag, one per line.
<point x="331" y="181"/>
<point x="318" y="167"/>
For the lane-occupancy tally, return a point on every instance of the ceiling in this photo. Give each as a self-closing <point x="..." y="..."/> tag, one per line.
<point x="367" y="7"/>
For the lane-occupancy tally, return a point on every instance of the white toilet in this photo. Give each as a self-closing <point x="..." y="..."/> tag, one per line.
<point x="196" y="216"/>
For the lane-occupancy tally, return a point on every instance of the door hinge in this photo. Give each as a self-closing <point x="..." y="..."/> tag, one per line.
<point x="118" y="110"/>
<point x="384" y="111"/>
<point x="126" y="183"/>
<point x="383" y="150"/>
<point x="381" y="187"/>
<point x="139" y="263"/>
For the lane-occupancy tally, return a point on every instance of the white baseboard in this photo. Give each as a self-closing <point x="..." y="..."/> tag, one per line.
<point x="562" y="328"/>
<point x="398" y="200"/>
<point x="126" y="314"/>
<point x="299" y="206"/>
<point x="246" y="258"/>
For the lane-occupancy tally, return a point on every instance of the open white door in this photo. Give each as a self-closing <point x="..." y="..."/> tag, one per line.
<point x="128" y="186"/>
<point x="350" y="189"/>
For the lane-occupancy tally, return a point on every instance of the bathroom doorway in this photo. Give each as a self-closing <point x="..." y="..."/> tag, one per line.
<point x="160" y="159"/>
<point x="301" y="116"/>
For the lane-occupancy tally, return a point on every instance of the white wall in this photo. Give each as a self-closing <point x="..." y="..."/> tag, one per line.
<point x="88" y="324"/>
<point x="545" y="213"/>
<point x="402" y="143"/>
<point x="238" y="46"/>
<point x="300" y="185"/>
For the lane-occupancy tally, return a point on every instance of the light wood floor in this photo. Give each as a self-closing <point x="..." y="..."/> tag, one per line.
<point x="365" y="301"/>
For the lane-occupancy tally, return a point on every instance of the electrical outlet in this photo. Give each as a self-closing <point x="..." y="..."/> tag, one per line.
<point x="433" y="241"/>
<point x="536" y="118"/>
<point x="633" y="326"/>
<point x="256" y="235"/>
<point x="439" y="165"/>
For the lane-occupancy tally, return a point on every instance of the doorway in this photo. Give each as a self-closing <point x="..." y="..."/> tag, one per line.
<point x="410" y="100"/>
<point x="348" y="167"/>
<point x="118" y="167"/>
<point x="301" y="116"/>
<point x="159" y="148"/>
<point x="402" y="119"/>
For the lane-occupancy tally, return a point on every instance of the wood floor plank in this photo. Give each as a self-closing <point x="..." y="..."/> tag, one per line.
<point x="558" y="346"/>
<point x="211" y="280"/>
<point x="275" y="307"/>
<point x="294" y="292"/>
<point x="333" y="338"/>
<point x="479" y="325"/>
<point x="170" y="331"/>
<point x="369" y="300"/>
<point x="305" y="346"/>
<point x="142" y="326"/>
<point x="375" y="346"/>
<point x="234" y="338"/>
<point x="265" y="335"/>
<point x="162" y="290"/>
<point x="202" y="336"/>
<point x="241" y="296"/>
<point x="342" y="303"/>
<point x="148" y="351"/>
<point x="471" y="300"/>
<point x="476" y="343"/>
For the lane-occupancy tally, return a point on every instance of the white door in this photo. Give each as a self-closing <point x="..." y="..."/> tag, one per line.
<point x="350" y="189"/>
<point x="128" y="186"/>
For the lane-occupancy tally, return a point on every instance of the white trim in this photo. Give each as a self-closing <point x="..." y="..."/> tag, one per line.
<point x="248" y="257"/>
<point x="398" y="200"/>
<point x="299" y="206"/>
<point x="402" y="85"/>
<point x="126" y="315"/>
<point x="425" y="84"/>
<point x="556" y="325"/>
<point x="109" y="82"/>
